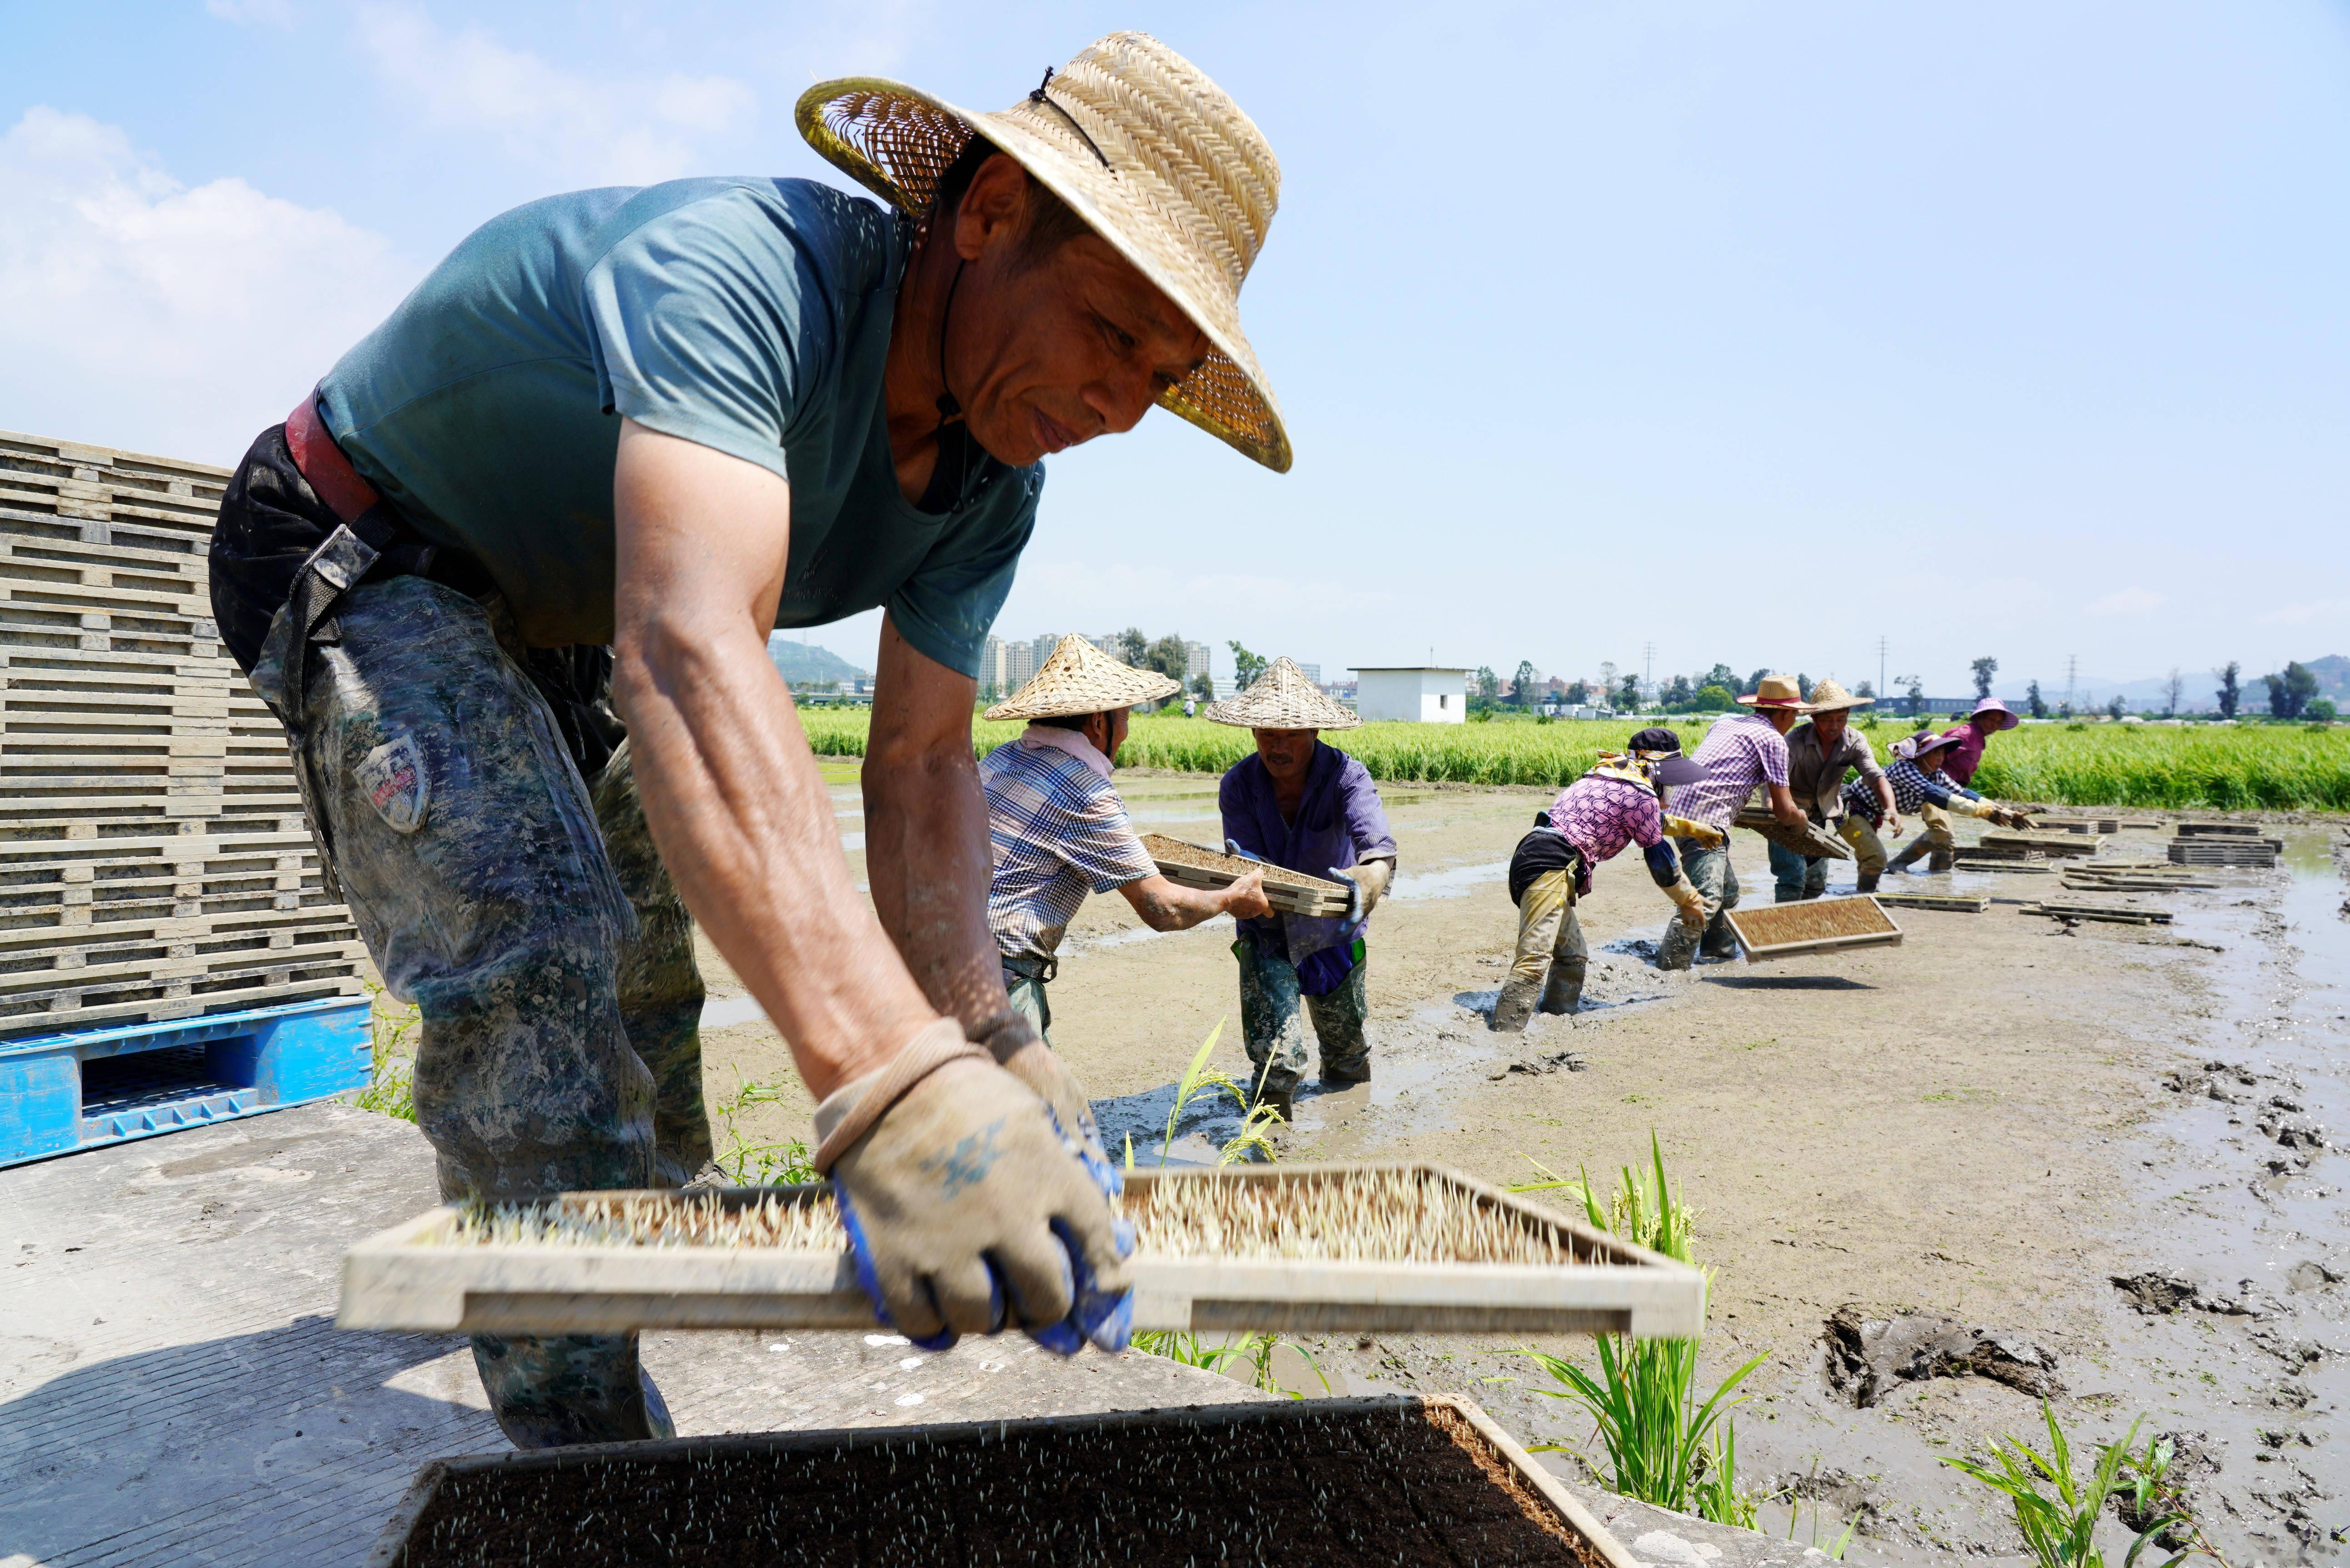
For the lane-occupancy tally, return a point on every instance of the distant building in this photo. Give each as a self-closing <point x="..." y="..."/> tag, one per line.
<point x="1006" y="665"/>
<point x="1198" y="659"/>
<point x="1416" y="693"/>
<point x="1313" y="673"/>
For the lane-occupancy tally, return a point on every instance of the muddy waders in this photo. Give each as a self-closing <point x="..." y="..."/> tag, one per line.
<point x="1271" y="1026"/>
<point x="1709" y="871"/>
<point x="1547" y="973"/>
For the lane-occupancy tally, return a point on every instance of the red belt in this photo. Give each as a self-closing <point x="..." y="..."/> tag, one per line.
<point x="322" y="462"/>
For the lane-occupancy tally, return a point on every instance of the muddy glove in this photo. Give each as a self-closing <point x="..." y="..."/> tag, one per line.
<point x="1364" y="884"/>
<point x="1976" y="808"/>
<point x="1695" y="831"/>
<point x="1232" y="847"/>
<point x="1688" y="901"/>
<point x="1012" y="1040"/>
<point x="968" y="1208"/>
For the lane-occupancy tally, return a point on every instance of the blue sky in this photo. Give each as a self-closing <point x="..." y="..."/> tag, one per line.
<point x="1751" y="332"/>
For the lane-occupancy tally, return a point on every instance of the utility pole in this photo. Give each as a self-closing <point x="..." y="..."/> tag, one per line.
<point x="1880" y="668"/>
<point x="1648" y="671"/>
<point x="2072" y="674"/>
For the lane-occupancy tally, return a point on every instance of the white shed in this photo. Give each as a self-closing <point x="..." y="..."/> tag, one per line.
<point x="1416" y="693"/>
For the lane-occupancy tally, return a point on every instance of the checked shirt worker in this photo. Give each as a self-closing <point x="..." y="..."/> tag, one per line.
<point x="1740" y="753"/>
<point x="1058" y="831"/>
<point x="507" y="576"/>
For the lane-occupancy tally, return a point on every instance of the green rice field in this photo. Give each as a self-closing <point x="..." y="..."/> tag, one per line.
<point x="2222" y="767"/>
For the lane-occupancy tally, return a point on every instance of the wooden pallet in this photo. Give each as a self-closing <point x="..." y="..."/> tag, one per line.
<point x="2120" y="914"/>
<point x="1769" y="931"/>
<point x="2219" y="830"/>
<point x="2077" y="824"/>
<point x="153" y="861"/>
<point x="421" y="1275"/>
<point x="2259" y="853"/>
<point x="1952" y="903"/>
<point x="2056" y="844"/>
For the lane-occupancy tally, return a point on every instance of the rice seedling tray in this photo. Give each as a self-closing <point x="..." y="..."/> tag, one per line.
<point x="1380" y="1247"/>
<point x="2055" y="844"/>
<point x="1816" y="926"/>
<point x="2259" y="854"/>
<point x="2118" y="914"/>
<point x="1398" y="1479"/>
<point x="2022" y="865"/>
<point x="2219" y="829"/>
<point x="1952" y="903"/>
<point x="1809" y="839"/>
<point x="1197" y="866"/>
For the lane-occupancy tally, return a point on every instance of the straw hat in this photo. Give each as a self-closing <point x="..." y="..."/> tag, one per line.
<point x="1147" y="151"/>
<point x="1778" y="691"/>
<point x="1283" y="698"/>
<point x="1827" y="696"/>
<point x="1081" y="679"/>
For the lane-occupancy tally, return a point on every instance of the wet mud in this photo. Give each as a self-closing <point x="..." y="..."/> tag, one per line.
<point x="2114" y="1147"/>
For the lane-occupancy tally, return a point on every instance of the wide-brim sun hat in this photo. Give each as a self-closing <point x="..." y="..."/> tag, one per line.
<point x="1283" y="698"/>
<point x="2008" y="716"/>
<point x="1829" y="697"/>
<point x="1778" y="691"/>
<point x="1150" y="154"/>
<point x="1079" y="678"/>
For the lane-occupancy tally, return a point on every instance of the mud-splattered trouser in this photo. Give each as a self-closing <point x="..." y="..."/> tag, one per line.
<point x="1709" y="871"/>
<point x="1796" y="877"/>
<point x="533" y="927"/>
<point x="1867" y="849"/>
<point x="1271" y="1004"/>
<point x="1547" y="972"/>
<point x="1025" y="980"/>
<point x="1935" y="841"/>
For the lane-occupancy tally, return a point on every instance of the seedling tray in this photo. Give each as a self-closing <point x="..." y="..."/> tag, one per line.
<point x="2258" y="853"/>
<point x="1817" y="925"/>
<point x="1400" y="1479"/>
<point x="1303" y="1248"/>
<point x="1197" y="866"/>
<point x="2219" y="829"/>
<point x="2057" y="844"/>
<point x="2118" y="914"/>
<point x="1952" y="903"/>
<point x="1808" y="839"/>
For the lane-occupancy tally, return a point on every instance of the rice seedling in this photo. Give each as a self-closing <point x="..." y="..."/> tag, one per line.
<point x="1659" y="1444"/>
<point x="783" y="1163"/>
<point x="2190" y="766"/>
<point x="2057" y="1511"/>
<point x="391" y="1057"/>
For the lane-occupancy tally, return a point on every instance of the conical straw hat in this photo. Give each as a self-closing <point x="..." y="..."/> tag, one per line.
<point x="1081" y="679"/>
<point x="1283" y="698"/>
<point x="1147" y="151"/>
<point x="1829" y="696"/>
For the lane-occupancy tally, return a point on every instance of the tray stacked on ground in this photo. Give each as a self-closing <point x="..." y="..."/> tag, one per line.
<point x="1949" y="903"/>
<point x="2224" y="844"/>
<point x="1322" y="1483"/>
<point x="1397" y="1248"/>
<point x="1197" y="866"/>
<point x="1816" y="926"/>
<point x="2057" y="844"/>
<point x="153" y="863"/>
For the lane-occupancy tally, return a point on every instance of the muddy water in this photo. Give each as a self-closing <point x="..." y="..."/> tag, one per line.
<point x="1976" y="1123"/>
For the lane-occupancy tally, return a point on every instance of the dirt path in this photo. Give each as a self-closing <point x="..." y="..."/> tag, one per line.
<point x="1975" y="1124"/>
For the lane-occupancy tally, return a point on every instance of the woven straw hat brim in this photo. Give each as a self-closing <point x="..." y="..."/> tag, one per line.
<point x="1283" y="698"/>
<point x="1194" y="187"/>
<point x="1078" y="678"/>
<point x="1828" y="697"/>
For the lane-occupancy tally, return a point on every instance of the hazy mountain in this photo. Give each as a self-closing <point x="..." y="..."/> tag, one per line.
<point x="2333" y="674"/>
<point x="801" y="661"/>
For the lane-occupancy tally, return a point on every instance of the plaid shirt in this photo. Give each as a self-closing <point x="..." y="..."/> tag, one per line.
<point x="1743" y="750"/>
<point x="1911" y="786"/>
<point x="1600" y="816"/>
<point x="1056" y="831"/>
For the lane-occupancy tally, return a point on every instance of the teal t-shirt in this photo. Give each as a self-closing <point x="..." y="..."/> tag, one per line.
<point x="747" y="314"/>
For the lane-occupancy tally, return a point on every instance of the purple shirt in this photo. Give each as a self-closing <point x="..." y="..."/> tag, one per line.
<point x="1743" y="750"/>
<point x="1340" y="824"/>
<point x="1962" y="760"/>
<point x="1600" y="816"/>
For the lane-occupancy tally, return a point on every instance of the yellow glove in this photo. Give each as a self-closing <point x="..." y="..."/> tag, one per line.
<point x="1696" y="832"/>
<point x="1688" y="901"/>
<point x="1980" y="808"/>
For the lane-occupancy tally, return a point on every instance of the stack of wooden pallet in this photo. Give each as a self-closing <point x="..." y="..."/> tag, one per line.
<point x="2224" y="844"/>
<point x="2056" y="844"/>
<point x="153" y="861"/>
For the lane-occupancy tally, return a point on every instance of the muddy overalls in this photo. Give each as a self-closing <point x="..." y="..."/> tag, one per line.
<point x="473" y="806"/>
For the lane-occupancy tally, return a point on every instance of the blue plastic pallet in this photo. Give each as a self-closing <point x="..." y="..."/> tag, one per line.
<point x="59" y="1093"/>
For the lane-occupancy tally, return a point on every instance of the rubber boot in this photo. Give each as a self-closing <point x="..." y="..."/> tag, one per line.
<point x="1720" y="941"/>
<point x="1869" y="880"/>
<point x="1940" y="861"/>
<point x="1514" y="1006"/>
<point x="1564" y="989"/>
<point x="1901" y="862"/>
<point x="1282" y="1096"/>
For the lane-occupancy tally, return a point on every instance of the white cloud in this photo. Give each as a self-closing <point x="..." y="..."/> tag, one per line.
<point x="253" y="13"/>
<point x="145" y="314"/>
<point x="617" y="131"/>
<point x="2302" y="615"/>
<point x="2132" y="600"/>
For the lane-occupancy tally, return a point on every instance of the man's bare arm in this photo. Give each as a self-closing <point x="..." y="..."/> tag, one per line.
<point x="1784" y="806"/>
<point x="926" y="831"/>
<point x="743" y="819"/>
<point x="1166" y="907"/>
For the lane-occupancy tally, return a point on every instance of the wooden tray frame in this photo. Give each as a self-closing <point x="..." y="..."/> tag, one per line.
<point x="1289" y="900"/>
<point x="1765" y="952"/>
<point x="400" y="1278"/>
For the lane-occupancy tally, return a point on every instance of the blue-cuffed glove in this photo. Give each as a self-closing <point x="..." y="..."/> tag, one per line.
<point x="1232" y="847"/>
<point x="1345" y="876"/>
<point x="970" y="1210"/>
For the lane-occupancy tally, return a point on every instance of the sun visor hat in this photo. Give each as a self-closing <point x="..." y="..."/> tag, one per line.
<point x="1680" y="770"/>
<point x="1660" y="750"/>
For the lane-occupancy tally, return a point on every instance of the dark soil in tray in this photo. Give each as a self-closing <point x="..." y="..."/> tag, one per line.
<point x="1384" y="1482"/>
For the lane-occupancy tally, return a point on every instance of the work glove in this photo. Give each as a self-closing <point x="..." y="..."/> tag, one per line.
<point x="1366" y="884"/>
<point x="1232" y="847"/>
<point x="1695" y="831"/>
<point x="1983" y="809"/>
<point x="1012" y="1038"/>
<point x="969" y="1208"/>
<point x="1688" y="901"/>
